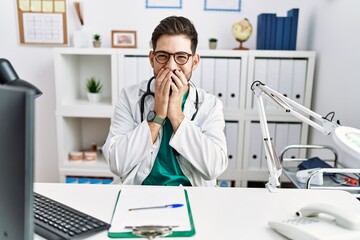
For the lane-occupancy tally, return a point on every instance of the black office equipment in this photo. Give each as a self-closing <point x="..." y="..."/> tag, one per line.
<point x="16" y="167"/>
<point x="8" y="76"/>
<point x="54" y="220"/>
<point x="16" y="162"/>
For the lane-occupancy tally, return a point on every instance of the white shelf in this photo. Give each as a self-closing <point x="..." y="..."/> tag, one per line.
<point x="221" y="72"/>
<point x="84" y="108"/>
<point x="79" y="165"/>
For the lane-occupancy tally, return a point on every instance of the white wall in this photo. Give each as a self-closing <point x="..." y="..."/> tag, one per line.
<point x="337" y="71"/>
<point x="335" y="38"/>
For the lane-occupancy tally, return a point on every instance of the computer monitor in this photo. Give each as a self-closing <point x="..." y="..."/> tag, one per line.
<point x="16" y="163"/>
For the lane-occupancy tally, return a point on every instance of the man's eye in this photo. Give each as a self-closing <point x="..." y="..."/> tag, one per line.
<point x="181" y="57"/>
<point x="162" y="56"/>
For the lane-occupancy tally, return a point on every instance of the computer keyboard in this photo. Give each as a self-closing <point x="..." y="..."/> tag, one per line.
<point x="54" y="220"/>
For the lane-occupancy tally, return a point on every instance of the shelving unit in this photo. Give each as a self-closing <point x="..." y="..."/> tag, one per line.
<point x="81" y="123"/>
<point x="225" y="73"/>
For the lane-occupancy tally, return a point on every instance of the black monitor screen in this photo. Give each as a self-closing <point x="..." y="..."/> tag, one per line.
<point x="16" y="163"/>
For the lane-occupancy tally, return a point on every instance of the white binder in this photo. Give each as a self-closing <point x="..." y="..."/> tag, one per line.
<point x="260" y="74"/>
<point x="208" y="74"/>
<point x="286" y="76"/>
<point x="294" y="134"/>
<point x="255" y="146"/>
<point x="281" y="136"/>
<point x="233" y="89"/>
<point x="130" y="72"/>
<point x="231" y="133"/>
<point x="144" y="69"/>
<point x="273" y="75"/>
<point x="221" y="79"/>
<point x="299" y="79"/>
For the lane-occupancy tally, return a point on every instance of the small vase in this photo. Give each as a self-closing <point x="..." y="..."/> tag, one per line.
<point x="82" y="38"/>
<point x="212" y="45"/>
<point x="97" y="44"/>
<point x="94" y="97"/>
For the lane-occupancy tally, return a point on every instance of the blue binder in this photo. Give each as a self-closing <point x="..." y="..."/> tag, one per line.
<point x="279" y="33"/>
<point x="261" y="31"/>
<point x="286" y="34"/>
<point x="294" y="14"/>
<point x="270" y="31"/>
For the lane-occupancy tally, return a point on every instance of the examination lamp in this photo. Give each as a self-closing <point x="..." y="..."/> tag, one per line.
<point x="347" y="138"/>
<point x="9" y="77"/>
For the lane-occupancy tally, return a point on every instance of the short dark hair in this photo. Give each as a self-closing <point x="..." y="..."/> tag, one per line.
<point x="176" y="25"/>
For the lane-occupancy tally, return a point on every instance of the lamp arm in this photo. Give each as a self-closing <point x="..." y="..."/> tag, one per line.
<point x="272" y="158"/>
<point x="260" y="90"/>
<point x="320" y="123"/>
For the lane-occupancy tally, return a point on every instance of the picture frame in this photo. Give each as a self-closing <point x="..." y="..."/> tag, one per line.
<point x="123" y="39"/>
<point x="177" y="4"/>
<point x="222" y="5"/>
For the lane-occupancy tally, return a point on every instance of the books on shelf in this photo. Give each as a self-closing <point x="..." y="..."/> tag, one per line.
<point x="277" y="33"/>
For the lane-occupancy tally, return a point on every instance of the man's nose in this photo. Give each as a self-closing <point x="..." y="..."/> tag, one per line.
<point x="171" y="64"/>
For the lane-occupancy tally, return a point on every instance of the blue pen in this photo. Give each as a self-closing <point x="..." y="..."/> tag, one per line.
<point x="175" y="205"/>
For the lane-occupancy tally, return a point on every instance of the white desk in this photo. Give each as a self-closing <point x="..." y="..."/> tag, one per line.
<point x="219" y="213"/>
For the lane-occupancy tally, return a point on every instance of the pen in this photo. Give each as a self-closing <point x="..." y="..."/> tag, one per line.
<point x="175" y="205"/>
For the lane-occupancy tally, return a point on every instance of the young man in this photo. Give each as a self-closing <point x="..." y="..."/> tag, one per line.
<point x="175" y="136"/>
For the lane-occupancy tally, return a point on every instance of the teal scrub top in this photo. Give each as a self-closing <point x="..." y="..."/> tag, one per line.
<point x="166" y="170"/>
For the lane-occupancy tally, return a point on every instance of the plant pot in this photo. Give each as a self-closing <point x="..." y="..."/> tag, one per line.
<point x="212" y="45"/>
<point x="97" y="44"/>
<point x="94" y="97"/>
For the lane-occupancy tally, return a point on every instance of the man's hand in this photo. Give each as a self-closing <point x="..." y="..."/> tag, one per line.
<point x="166" y="104"/>
<point x="162" y="89"/>
<point x="179" y="86"/>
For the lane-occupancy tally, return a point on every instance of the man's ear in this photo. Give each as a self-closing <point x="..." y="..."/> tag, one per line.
<point x="196" y="61"/>
<point x="151" y="58"/>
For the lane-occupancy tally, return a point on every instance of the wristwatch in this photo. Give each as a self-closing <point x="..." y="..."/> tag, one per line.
<point x="152" y="117"/>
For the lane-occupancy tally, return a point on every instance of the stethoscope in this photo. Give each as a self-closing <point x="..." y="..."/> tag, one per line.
<point x="150" y="93"/>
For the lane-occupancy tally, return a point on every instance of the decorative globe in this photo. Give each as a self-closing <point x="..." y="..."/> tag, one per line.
<point x="242" y="30"/>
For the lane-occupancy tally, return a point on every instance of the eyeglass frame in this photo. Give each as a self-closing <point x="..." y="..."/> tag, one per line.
<point x="173" y="54"/>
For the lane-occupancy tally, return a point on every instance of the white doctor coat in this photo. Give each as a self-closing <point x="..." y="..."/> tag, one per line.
<point x="201" y="143"/>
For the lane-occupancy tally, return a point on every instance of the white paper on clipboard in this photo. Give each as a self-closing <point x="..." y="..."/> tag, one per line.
<point x="148" y="196"/>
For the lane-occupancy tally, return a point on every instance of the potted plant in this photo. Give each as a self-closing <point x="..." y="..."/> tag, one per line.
<point x="97" y="40"/>
<point x="94" y="88"/>
<point x="212" y="43"/>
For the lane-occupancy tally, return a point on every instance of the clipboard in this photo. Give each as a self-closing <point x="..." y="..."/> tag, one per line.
<point x="143" y="196"/>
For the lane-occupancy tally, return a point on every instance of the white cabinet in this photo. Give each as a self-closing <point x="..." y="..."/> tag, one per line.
<point x="80" y="123"/>
<point x="225" y="73"/>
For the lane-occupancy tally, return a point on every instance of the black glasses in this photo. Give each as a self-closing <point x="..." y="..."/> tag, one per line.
<point x="180" y="58"/>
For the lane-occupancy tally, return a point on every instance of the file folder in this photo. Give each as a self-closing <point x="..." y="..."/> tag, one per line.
<point x="299" y="80"/>
<point x="234" y="79"/>
<point x="256" y="146"/>
<point x="231" y="133"/>
<point x="131" y="197"/>
<point x="221" y="79"/>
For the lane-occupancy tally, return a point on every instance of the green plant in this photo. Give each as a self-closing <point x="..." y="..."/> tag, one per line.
<point x="97" y="37"/>
<point x="93" y="85"/>
<point x="212" y="40"/>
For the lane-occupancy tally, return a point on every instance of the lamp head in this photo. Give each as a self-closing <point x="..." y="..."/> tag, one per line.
<point x="348" y="139"/>
<point x="8" y="76"/>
